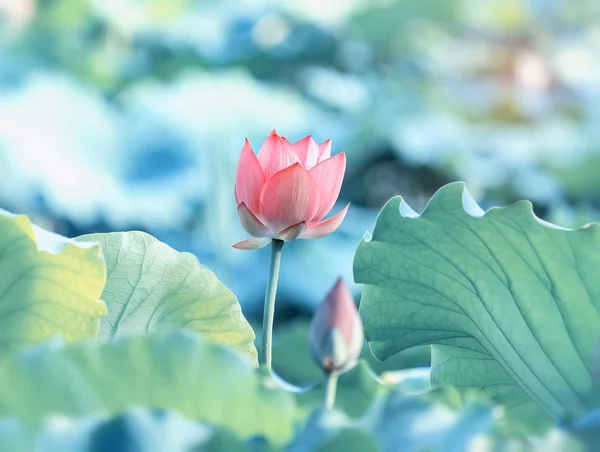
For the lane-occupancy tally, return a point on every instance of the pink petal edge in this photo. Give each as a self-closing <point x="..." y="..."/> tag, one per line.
<point x="254" y="243"/>
<point x="343" y="309"/>
<point x="288" y="198"/>
<point x="324" y="151"/>
<point x="324" y="228"/>
<point x="327" y="178"/>
<point x="251" y="224"/>
<point x="307" y="151"/>
<point x="292" y="233"/>
<point x="249" y="179"/>
<point x="276" y="154"/>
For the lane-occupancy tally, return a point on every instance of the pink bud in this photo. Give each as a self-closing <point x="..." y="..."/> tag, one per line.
<point x="287" y="190"/>
<point x="336" y="332"/>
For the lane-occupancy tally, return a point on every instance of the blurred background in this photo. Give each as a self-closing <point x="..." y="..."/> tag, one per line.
<point x="131" y="114"/>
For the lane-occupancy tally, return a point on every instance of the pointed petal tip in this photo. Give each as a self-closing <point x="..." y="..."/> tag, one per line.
<point x="303" y="139"/>
<point x="249" y="178"/>
<point x="340" y="288"/>
<point x="307" y="151"/>
<point x="275" y="154"/>
<point x="341" y="156"/>
<point x="252" y="244"/>
<point x="325" y="227"/>
<point x="246" y="143"/>
<point x="340" y="281"/>
<point x="325" y="144"/>
<point x="275" y="134"/>
<point x="324" y="150"/>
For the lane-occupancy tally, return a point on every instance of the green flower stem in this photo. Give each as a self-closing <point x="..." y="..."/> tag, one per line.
<point x="269" y="314"/>
<point x="331" y="389"/>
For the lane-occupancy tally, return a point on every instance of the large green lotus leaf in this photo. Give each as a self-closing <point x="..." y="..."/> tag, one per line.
<point x="151" y="287"/>
<point x="177" y="371"/>
<point x="511" y="302"/>
<point x="49" y="285"/>
<point x="466" y="369"/>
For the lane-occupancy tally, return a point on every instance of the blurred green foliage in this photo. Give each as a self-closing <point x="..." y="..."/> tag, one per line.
<point x="141" y="109"/>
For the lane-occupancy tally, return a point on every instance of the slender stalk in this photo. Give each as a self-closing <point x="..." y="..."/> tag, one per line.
<point x="331" y="389"/>
<point x="269" y="314"/>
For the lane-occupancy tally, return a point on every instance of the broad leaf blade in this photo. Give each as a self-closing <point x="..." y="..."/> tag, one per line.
<point x="152" y="287"/>
<point x="503" y="284"/>
<point x="474" y="370"/>
<point x="167" y="371"/>
<point x="49" y="285"/>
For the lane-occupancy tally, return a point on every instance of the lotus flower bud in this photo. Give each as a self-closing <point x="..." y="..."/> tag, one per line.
<point x="286" y="190"/>
<point x="336" y="332"/>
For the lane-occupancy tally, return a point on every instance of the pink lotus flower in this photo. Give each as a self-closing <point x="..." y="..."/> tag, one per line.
<point x="286" y="191"/>
<point x="336" y="332"/>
